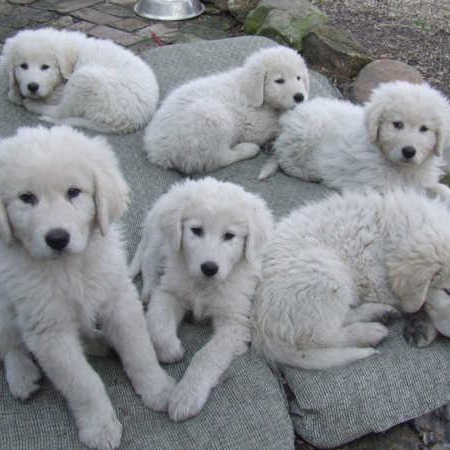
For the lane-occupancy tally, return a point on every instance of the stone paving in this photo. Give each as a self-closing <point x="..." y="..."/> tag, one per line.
<point x="116" y="20"/>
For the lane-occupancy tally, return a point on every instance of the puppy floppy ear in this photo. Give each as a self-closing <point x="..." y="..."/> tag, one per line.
<point x="170" y="224"/>
<point x="111" y="192"/>
<point x="66" y="59"/>
<point x="411" y="269"/>
<point x="260" y="229"/>
<point x="372" y="118"/>
<point x="5" y="227"/>
<point x="252" y="83"/>
<point x="7" y="67"/>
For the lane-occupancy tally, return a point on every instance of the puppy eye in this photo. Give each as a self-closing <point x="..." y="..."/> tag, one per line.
<point x="29" y="198"/>
<point x="423" y="128"/>
<point x="73" y="192"/>
<point x="24" y="66"/>
<point x="198" y="231"/>
<point x="279" y="80"/>
<point x="228" y="236"/>
<point x="298" y="77"/>
<point x="45" y="67"/>
<point x="398" y="125"/>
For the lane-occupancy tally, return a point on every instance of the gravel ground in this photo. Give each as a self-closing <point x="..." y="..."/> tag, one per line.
<point x="416" y="32"/>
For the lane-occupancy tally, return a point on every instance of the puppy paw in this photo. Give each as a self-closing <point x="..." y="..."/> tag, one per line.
<point x="158" y="395"/>
<point x="247" y="149"/>
<point x="102" y="432"/>
<point x="375" y="333"/>
<point x="22" y="376"/>
<point x="186" y="401"/>
<point x="169" y="352"/>
<point x="389" y="316"/>
<point x="419" y="331"/>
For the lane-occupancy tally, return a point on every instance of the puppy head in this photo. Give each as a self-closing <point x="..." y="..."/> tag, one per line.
<point x="277" y="77"/>
<point x="214" y="226"/>
<point x="56" y="187"/>
<point x="419" y="260"/>
<point x="408" y="122"/>
<point x="37" y="61"/>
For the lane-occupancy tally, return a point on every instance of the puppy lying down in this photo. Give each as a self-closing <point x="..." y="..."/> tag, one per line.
<point x="336" y="268"/>
<point x="396" y="139"/>
<point x="214" y="121"/>
<point x="76" y="80"/>
<point x="63" y="276"/>
<point x="201" y="252"/>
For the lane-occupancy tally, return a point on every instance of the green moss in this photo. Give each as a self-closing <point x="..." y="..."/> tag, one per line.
<point x="255" y="19"/>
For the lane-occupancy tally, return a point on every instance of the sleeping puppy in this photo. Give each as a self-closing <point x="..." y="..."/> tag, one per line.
<point x="336" y="269"/>
<point x="396" y="139"/>
<point x="201" y="252"/>
<point x="214" y="121"/>
<point x="75" y="80"/>
<point x="63" y="277"/>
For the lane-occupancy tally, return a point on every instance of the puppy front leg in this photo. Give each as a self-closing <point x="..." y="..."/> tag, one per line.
<point x="164" y="314"/>
<point x="41" y="108"/>
<point x="60" y="355"/>
<point x="125" y="328"/>
<point x="206" y="368"/>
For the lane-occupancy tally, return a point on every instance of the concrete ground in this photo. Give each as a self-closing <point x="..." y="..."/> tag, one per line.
<point x="416" y="32"/>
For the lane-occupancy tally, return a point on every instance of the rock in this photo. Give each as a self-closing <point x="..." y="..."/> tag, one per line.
<point x="286" y="21"/>
<point x="336" y="51"/>
<point x="381" y="71"/>
<point x="237" y="8"/>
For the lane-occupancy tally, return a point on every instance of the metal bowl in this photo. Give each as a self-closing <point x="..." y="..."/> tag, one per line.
<point x="169" y="9"/>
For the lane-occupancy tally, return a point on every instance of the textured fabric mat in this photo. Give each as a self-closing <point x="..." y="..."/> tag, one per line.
<point x="248" y="410"/>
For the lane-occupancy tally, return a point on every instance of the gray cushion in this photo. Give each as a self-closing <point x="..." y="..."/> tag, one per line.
<point x="248" y="410"/>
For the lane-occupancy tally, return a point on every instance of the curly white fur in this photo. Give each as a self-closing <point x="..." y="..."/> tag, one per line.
<point x="63" y="274"/>
<point x="334" y="268"/>
<point x="217" y="120"/>
<point x="77" y="80"/>
<point x="396" y="139"/>
<point x="207" y="237"/>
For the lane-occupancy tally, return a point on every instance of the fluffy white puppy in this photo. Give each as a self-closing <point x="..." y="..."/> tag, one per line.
<point x="214" y="121"/>
<point x="75" y="80"/>
<point x="201" y="252"/>
<point x="397" y="138"/>
<point x="335" y="268"/>
<point x="63" y="275"/>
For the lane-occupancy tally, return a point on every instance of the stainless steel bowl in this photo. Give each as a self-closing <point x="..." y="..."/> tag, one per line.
<point x="169" y="9"/>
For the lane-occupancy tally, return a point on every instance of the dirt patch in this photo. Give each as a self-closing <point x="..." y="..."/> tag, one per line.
<point x="415" y="32"/>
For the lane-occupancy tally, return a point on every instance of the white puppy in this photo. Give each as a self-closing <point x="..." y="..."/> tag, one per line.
<point x="397" y="138"/>
<point x="63" y="275"/>
<point x="214" y="121"/>
<point x="72" y="79"/>
<point x="335" y="268"/>
<point x="207" y="237"/>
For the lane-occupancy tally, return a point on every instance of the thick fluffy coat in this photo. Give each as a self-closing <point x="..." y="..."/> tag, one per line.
<point x="63" y="276"/>
<point x="335" y="268"/>
<point x="77" y="80"/>
<point x="214" y="121"/>
<point x="396" y="139"/>
<point x="201" y="252"/>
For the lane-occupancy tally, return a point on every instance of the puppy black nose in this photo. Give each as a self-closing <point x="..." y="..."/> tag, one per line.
<point x="33" y="87"/>
<point x="209" y="268"/>
<point x="408" y="152"/>
<point x="298" y="98"/>
<point x="57" y="239"/>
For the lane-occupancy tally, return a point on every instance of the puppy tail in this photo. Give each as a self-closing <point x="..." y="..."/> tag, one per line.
<point x="80" y="122"/>
<point x="268" y="169"/>
<point x="318" y="358"/>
